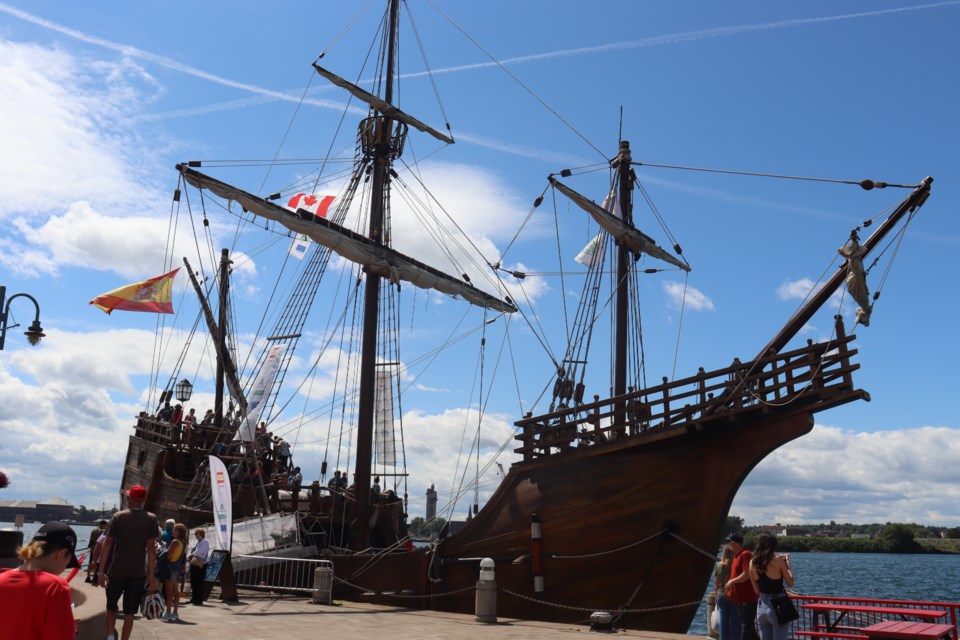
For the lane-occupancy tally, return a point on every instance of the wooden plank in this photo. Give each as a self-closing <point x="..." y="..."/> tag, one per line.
<point x="909" y="630"/>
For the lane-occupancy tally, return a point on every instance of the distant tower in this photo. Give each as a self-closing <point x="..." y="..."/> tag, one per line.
<point x="431" y="503"/>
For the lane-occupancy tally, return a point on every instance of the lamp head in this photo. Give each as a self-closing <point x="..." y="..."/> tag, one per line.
<point x="184" y="390"/>
<point x="34" y="333"/>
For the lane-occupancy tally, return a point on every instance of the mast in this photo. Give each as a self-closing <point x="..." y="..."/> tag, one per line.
<point x="625" y="202"/>
<point x="383" y="152"/>
<point x="222" y="335"/>
<point x="229" y="367"/>
<point x="804" y="313"/>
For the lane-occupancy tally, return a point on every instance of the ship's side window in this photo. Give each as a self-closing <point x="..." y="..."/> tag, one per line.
<point x="142" y="457"/>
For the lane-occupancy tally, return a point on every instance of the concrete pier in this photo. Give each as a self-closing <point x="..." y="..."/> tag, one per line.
<point x="276" y="616"/>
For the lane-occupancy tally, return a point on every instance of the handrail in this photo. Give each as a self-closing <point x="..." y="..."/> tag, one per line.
<point x="860" y="613"/>
<point x="810" y="378"/>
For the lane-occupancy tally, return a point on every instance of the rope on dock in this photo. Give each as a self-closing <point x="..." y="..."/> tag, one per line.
<point x="593" y="609"/>
<point x="412" y="596"/>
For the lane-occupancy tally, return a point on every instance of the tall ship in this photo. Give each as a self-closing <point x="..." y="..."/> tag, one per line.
<point x="619" y="483"/>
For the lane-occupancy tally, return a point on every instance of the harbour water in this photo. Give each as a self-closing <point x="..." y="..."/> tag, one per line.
<point x="866" y="575"/>
<point x="869" y="575"/>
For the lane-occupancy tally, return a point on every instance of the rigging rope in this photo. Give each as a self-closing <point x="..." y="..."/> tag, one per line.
<point x="518" y="81"/>
<point x="864" y="184"/>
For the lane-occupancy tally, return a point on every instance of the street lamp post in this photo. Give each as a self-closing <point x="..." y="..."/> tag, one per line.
<point x="34" y="333"/>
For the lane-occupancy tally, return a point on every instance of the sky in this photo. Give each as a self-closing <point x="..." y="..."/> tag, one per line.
<point x="98" y="103"/>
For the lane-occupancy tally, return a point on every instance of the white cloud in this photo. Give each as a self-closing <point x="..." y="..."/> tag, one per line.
<point x="909" y="475"/>
<point x="60" y="122"/>
<point x="688" y="297"/>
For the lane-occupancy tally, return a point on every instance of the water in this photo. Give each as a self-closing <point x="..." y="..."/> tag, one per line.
<point x="869" y="575"/>
<point x="82" y="531"/>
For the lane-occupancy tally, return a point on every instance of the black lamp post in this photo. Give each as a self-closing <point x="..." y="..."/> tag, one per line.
<point x="34" y="333"/>
<point x="184" y="390"/>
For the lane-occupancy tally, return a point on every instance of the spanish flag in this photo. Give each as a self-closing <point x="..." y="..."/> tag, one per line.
<point x="153" y="295"/>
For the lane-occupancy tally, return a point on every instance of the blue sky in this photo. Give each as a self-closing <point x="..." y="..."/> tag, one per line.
<point x="97" y="104"/>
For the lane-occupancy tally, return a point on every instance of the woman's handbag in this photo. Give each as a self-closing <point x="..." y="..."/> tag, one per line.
<point x="784" y="608"/>
<point x="196" y="562"/>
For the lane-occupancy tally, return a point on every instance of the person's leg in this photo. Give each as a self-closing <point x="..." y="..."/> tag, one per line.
<point x="114" y="591"/>
<point x="127" y="628"/>
<point x="729" y="619"/>
<point x="132" y="594"/>
<point x="748" y="621"/>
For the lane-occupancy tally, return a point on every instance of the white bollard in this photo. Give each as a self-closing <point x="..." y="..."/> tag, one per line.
<point x="323" y="583"/>
<point x="486" y="603"/>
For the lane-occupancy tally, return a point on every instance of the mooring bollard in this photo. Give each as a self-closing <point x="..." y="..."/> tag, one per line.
<point x="601" y="621"/>
<point x="323" y="583"/>
<point x="711" y="611"/>
<point x="486" y="605"/>
<point x="10" y="541"/>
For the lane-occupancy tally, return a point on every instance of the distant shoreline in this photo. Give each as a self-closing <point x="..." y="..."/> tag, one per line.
<point x="931" y="546"/>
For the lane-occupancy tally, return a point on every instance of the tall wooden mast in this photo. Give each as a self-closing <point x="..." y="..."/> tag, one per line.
<point x="625" y="203"/>
<point x="222" y="334"/>
<point x="384" y="151"/>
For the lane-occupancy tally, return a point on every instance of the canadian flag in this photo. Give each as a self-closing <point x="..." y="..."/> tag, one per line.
<point x="315" y="204"/>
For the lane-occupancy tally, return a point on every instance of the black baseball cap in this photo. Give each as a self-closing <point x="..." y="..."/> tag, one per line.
<point x="59" y="536"/>
<point x="735" y="537"/>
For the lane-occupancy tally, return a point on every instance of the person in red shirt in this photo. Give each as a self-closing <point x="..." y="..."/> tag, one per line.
<point x="741" y="588"/>
<point x="34" y="599"/>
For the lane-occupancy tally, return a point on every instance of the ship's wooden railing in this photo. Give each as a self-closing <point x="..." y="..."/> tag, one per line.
<point x="811" y="379"/>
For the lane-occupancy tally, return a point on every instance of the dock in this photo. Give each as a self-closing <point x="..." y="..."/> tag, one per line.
<point x="285" y="616"/>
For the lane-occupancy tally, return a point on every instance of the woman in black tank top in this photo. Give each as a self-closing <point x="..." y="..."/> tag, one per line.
<point x="768" y="572"/>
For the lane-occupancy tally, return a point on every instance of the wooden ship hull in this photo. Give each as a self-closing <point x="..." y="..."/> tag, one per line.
<point x="630" y="519"/>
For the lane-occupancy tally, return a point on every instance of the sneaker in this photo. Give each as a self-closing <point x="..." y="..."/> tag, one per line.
<point x="167" y="616"/>
<point x="112" y="636"/>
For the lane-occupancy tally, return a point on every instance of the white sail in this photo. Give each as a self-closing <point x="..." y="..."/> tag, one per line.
<point x="377" y="258"/>
<point x="385" y="445"/>
<point x="381" y="105"/>
<point x="631" y="237"/>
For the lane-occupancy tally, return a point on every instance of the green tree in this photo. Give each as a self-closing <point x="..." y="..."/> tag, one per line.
<point x="734" y="524"/>
<point x="899" y="538"/>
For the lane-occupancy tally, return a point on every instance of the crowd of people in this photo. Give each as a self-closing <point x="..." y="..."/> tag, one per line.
<point x="747" y="583"/>
<point x="131" y="557"/>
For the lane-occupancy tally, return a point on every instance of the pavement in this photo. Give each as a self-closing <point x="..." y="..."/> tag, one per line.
<point x="282" y="616"/>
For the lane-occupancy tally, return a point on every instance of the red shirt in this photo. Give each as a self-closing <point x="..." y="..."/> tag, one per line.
<point x="36" y="605"/>
<point x="742" y="591"/>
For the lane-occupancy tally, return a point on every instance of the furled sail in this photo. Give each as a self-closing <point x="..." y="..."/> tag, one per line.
<point x="631" y="237"/>
<point x="378" y="259"/>
<point x="381" y="105"/>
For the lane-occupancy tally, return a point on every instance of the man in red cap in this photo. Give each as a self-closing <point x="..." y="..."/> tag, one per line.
<point x="133" y="534"/>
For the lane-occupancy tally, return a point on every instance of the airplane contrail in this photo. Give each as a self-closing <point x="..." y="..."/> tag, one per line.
<point x="673" y="38"/>
<point x="683" y="36"/>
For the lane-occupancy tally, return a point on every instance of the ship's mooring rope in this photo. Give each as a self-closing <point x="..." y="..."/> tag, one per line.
<point x="712" y="556"/>
<point x="609" y="551"/>
<point x="593" y="609"/>
<point x="405" y="595"/>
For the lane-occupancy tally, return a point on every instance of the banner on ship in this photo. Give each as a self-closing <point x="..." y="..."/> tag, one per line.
<point x="260" y="392"/>
<point x="222" y="502"/>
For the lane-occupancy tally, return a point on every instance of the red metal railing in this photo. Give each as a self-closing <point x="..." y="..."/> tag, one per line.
<point x="851" y="615"/>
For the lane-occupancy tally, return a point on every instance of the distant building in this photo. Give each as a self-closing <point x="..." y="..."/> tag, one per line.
<point x="431" y="503"/>
<point x="40" y="511"/>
